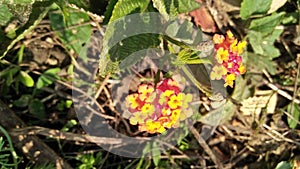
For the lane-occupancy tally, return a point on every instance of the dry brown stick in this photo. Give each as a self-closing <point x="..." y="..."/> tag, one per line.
<point x="56" y="134"/>
<point x="32" y="147"/>
<point x="206" y="148"/>
<point x="281" y="92"/>
<point x="280" y="135"/>
<point x="240" y="156"/>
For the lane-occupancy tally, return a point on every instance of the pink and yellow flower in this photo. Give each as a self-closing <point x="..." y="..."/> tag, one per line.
<point x="145" y="91"/>
<point x="228" y="60"/>
<point x="218" y="72"/>
<point x="156" y="110"/>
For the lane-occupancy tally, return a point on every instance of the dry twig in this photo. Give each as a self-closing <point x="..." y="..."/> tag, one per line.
<point x="206" y="148"/>
<point x="32" y="147"/>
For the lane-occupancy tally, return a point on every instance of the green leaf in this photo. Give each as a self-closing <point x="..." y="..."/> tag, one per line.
<point x="133" y="44"/>
<point x="25" y="78"/>
<point x="47" y="78"/>
<point x="219" y="115"/>
<point x="295" y="113"/>
<point x="117" y="30"/>
<point x="184" y="32"/>
<point x="9" y="74"/>
<point x="187" y="5"/>
<point x="76" y="37"/>
<point x="126" y="7"/>
<point x="290" y="18"/>
<point x="23" y="2"/>
<point x="68" y="103"/>
<point x="10" y="70"/>
<point x="35" y="12"/>
<point x="52" y="72"/>
<point x="266" y="24"/>
<point x="126" y="36"/>
<point x="109" y="10"/>
<point x="255" y="39"/>
<point x="43" y="81"/>
<point x="241" y="90"/>
<point x="250" y="7"/>
<point x="20" y="54"/>
<point x="284" y="165"/>
<point x="166" y="8"/>
<point x="23" y="101"/>
<point x="5" y="15"/>
<point x="171" y="8"/>
<point x="37" y="108"/>
<point x="264" y="45"/>
<point x="156" y="154"/>
<point x="260" y="62"/>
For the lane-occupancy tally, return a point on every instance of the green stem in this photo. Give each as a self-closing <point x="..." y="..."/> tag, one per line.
<point x="11" y="148"/>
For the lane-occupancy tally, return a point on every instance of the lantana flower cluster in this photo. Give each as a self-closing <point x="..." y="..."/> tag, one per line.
<point x="156" y="109"/>
<point x="228" y="58"/>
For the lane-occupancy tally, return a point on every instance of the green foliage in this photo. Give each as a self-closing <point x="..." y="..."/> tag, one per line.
<point x="250" y="7"/>
<point x="184" y="32"/>
<point x="264" y="45"/>
<point x="5" y="15"/>
<point x="183" y="145"/>
<point x="171" y="8"/>
<point x="35" y="106"/>
<point x="47" y="78"/>
<point x="260" y="62"/>
<point x="262" y="35"/>
<point x="294" y="110"/>
<point x="264" y="50"/>
<point x="62" y="105"/>
<point x="14" y="74"/>
<point x="290" y="18"/>
<point x="71" y="123"/>
<point x="75" y="32"/>
<point x="29" y="13"/>
<point x="25" y="78"/>
<point x="109" y="10"/>
<point x="23" y="101"/>
<point x="284" y="165"/>
<point x="267" y="24"/>
<point x="4" y="158"/>
<point x="90" y="161"/>
<point x="7" y="152"/>
<point x="116" y="29"/>
<point x="126" y="7"/>
<point x="155" y="153"/>
<point x="9" y="74"/>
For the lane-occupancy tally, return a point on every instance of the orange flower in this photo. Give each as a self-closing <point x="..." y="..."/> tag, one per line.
<point x="156" y="110"/>
<point x="228" y="60"/>
<point x="174" y="102"/>
<point x="218" y="39"/>
<point x="133" y="100"/>
<point x="229" y="80"/>
<point x="147" y="108"/>
<point x="242" y="69"/>
<point x="154" y="126"/>
<point x="145" y="91"/>
<point x="222" y="55"/>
